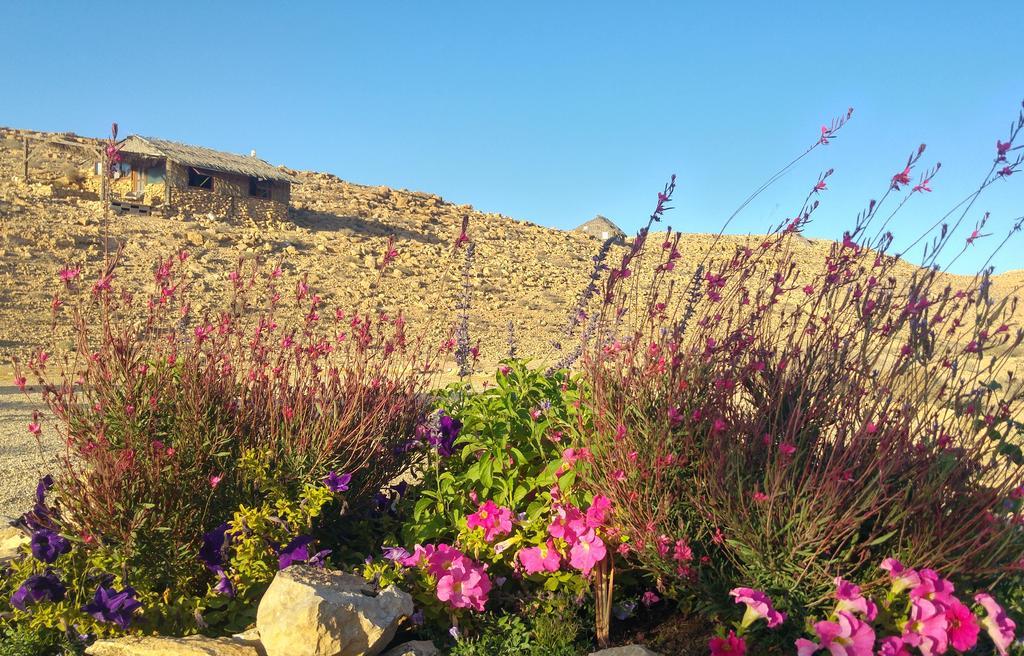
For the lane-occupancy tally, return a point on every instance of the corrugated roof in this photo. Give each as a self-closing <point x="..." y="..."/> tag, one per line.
<point x="204" y="158"/>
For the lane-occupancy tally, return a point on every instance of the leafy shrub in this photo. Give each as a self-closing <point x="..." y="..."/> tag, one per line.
<point x="177" y="423"/>
<point x="749" y="440"/>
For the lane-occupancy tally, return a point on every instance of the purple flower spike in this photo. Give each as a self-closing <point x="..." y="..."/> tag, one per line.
<point x="36" y="588"/>
<point x="296" y="551"/>
<point x="337" y="483"/>
<point x="47" y="546"/>
<point x="109" y="605"/>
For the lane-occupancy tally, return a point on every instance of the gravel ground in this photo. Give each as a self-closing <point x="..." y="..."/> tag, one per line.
<point x="23" y="459"/>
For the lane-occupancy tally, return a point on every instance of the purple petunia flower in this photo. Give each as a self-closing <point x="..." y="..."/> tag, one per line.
<point x="109" y="605"/>
<point x="449" y="428"/>
<point x="296" y="551"/>
<point x="41" y="516"/>
<point x="215" y="543"/>
<point x="38" y="587"/>
<point x="224" y="585"/>
<point x="396" y="554"/>
<point x="319" y="559"/>
<point x="47" y="545"/>
<point x="337" y="483"/>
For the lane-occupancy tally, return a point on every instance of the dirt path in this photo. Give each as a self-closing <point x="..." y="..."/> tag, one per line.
<point x="23" y="459"/>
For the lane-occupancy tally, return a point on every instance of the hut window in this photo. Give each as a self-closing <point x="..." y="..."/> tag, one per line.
<point x="259" y="188"/>
<point x="199" y="180"/>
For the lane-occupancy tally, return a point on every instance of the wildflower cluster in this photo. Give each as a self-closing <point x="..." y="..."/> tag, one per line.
<point x="460" y="582"/>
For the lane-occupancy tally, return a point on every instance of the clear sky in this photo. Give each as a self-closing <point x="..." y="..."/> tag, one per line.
<point x="551" y="111"/>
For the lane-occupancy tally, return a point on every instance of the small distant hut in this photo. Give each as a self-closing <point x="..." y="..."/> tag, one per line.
<point x="602" y="228"/>
<point x="183" y="179"/>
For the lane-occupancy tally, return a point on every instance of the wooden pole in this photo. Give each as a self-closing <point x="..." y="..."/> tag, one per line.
<point x="25" y="176"/>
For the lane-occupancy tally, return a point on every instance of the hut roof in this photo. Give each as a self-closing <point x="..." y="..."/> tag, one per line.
<point x="599" y="224"/>
<point x="204" y="158"/>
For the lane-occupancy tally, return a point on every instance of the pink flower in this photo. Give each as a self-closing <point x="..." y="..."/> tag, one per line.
<point x="649" y="598"/>
<point x="999" y="627"/>
<point x="542" y="558"/>
<point x="933" y="588"/>
<point x="902" y="577"/>
<point x="464" y="586"/>
<point x="902" y="178"/>
<point x="851" y="600"/>
<point x="68" y="273"/>
<point x="926" y="628"/>
<point x="787" y="449"/>
<point x="1001" y="150"/>
<point x="494" y="519"/>
<point x="588" y="551"/>
<point x="682" y="552"/>
<point x="597" y="513"/>
<point x="35" y="428"/>
<point x="893" y="646"/>
<point x="730" y="645"/>
<point x="216" y="479"/>
<point x="760" y="497"/>
<point x="568" y="524"/>
<point x="443" y="557"/>
<point x="847" y="636"/>
<point x="758" y="605"/>
<point x="419" y="557"/>
<point x="963" y="626"/>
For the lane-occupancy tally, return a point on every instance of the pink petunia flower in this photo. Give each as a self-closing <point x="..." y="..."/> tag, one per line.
<point x="495" y="520"/>
<point x="926" y="628"/>
<point x="998" y="625"/>
<point x="902" y="577"/>
<point x="597" y="513"/>
<point x="568" y="524"/>
<point x="542" y="558"/>
<point x="934" y="588"/>
<point x="893" y="646"/>
<point x="588" y="551"/>
<point x="649" y="598"/>
<point x="464" y="586"/>
<point x="962" y="627"/>
<point x="730" y="645"/>
<point x="851" y="600"/>
<point x="847" y="636"/>
<point x="759" y="605"/>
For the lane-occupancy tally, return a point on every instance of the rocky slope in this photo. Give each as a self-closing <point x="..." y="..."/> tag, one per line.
<point x="522" y="275"/>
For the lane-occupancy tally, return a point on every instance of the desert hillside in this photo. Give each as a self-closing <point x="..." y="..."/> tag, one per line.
<point x="522" y="275"/>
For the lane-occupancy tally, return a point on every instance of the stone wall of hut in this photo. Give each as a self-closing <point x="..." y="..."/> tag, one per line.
<point x="229" y="199"/>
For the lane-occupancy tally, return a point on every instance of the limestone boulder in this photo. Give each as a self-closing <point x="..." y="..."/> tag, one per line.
<point x="308" y="611"/>
<point x="11" y="541"/>
<point x="159" y="646"/>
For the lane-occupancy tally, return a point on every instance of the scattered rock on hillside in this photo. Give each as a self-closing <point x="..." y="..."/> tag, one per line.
<point x="156" y="646"/>
<point x="313" y="612"/>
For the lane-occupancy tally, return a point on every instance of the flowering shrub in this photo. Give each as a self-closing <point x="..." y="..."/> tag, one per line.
<point x="779" y="442"/>
<point x="263" y="411"/>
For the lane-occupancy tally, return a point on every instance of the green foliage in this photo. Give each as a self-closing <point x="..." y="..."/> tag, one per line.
<point x="21" y="640"/>
<point x="502" y="635"/>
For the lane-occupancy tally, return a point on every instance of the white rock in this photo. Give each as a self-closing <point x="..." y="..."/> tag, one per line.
<point x="313" y="612"/>
<point x="11" y="541"/>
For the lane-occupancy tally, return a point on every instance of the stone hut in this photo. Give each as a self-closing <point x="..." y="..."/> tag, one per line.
<point x="602" y="228"/>
<point x="178" y="178"/>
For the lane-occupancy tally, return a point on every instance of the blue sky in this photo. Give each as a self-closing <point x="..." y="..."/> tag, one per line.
<point x="552" y="111"/>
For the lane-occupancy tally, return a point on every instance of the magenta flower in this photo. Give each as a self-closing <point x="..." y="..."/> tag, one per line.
<point x="902" y="577"/>
<point x="443" y="557"/>
<point x="963" y="627"/>
<point x="542" y="558"/>
<point x="847" y="636"/>
<point x="934" y="588"/>
<point x="588" y="551"/>
<point x="730" y="645"/>
<point x="759" y="605"/>
<point x="597" y="513"/>
<point x="893" y="646"/>
<point x="420" y="556"/>
<point x="926" y="628"/>
<point x="851" y="600"/>
<point x="568" y="524"/>
<point x="495" y="520"/>
<point x="649" y="598"/>
<point x="998" y="625"/>
<point x="464" y="586"/>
